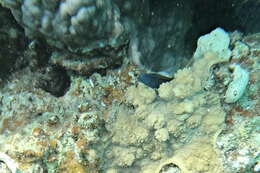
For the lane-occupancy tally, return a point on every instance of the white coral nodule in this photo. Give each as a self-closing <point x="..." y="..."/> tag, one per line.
<point x="11" y="164"/>
<point x="238" y="85"/>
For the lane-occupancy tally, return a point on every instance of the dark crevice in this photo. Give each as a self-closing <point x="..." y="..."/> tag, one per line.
<point x="12" y="41"/>
<point x="55" y="80"/>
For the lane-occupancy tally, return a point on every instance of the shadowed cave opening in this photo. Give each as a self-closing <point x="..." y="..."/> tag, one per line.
<point x="176" y="26"/>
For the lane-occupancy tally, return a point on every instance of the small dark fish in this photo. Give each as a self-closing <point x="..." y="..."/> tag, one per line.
<point x="152" y="80"/>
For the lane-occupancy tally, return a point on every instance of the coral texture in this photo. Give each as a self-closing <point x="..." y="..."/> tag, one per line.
<point x="111" y="123"/>
<point x="80" y="25"/>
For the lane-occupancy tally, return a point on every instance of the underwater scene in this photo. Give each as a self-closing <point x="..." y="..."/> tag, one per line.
<point x="129" y="86"/>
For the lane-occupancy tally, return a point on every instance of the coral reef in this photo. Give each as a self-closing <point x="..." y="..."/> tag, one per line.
<point x="169" y="122"/>
<point x="72" y="101"/>
<point x="92" y="35"/>
<point x="111" y="123"/>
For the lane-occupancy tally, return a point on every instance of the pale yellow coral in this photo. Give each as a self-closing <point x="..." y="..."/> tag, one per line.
<point x="127" y="130"/>
<point x="183" y="107"/>
<point x="161" y="135"/>
<point x="111" y="170"/>
<point x="181" y="87"/>
<point x="124" y="156"/>
<point x="165" y="90"/>
<point x="140" y="95"/>
<point x="183" y="112"/>
<point x="155" y="120"/>
<point x="174" y="127"/>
